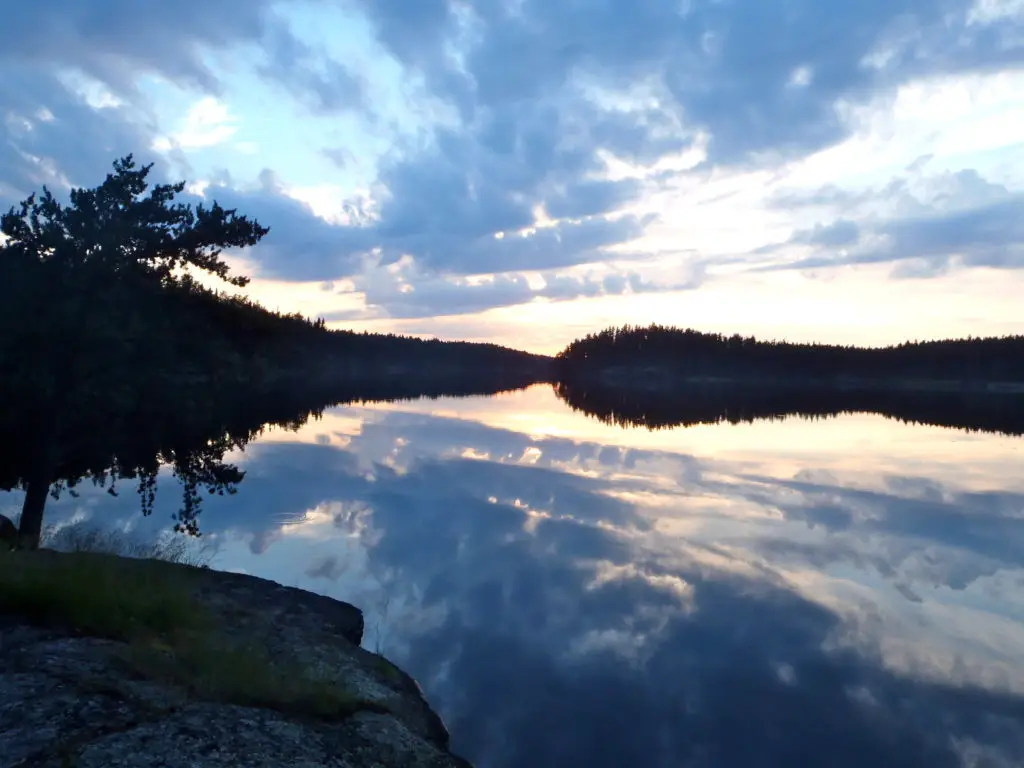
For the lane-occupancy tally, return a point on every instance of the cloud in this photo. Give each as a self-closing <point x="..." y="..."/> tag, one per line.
<point x="465" y="207"/>
<point x="207" y="124"/>
<point x="590" y="198"/>
<point x="838" y="233"/>
<point x="496" y="140"/>
<point x="322" y="82"/>
<point x="71" y="105"/>
<point x="328" y="567"/>
<point x="114" y="44"/>
<point x="636" y="84"/>
<point x="300" y="245"/>
<point x="114" y="41"/>
<point x="599" y="573"/>
<point x="403" y="291"/>
<point x="831" y="196"/>
<point x="756" y="77"/>
<point x="54" y="136"/>
<point x="51" y="134"/>
<point x="955" y="218"/>
<point x="590" y="614"/>
<point x="408" y="296"/>
<point x="340" y="156"/>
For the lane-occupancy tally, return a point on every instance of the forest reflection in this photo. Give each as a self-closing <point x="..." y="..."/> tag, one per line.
<point x="693" y="404"/>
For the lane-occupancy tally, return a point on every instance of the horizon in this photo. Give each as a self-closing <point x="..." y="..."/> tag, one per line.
<point x="754" y="337"/>
<point x="847" y="177"/>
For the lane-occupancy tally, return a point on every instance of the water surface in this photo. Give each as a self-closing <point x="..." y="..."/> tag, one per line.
<point x="835" y="591"/>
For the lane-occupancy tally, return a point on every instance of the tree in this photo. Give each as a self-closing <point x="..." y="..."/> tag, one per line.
<point x="90" y="283"/>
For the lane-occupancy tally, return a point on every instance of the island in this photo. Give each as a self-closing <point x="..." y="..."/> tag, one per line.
<point x="663" y="377"/>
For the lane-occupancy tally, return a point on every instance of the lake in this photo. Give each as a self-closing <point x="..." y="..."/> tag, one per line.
<point x="836" y="591"/>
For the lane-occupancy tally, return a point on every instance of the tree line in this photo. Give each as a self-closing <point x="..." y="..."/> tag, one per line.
<point x="115" y="359"/>
<point x="687" y="352"/>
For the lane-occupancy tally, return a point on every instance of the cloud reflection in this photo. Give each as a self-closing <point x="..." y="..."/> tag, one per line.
<point x="574" y="600"/>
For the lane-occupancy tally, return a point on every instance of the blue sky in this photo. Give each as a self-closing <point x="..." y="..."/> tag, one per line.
<point x="523" y="171"/>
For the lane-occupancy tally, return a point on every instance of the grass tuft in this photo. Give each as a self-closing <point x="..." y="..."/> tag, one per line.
<point x="96" y="595"/>
<point x="169" y="547"/>
<point x="243" y="675"/>
<point x="388" y="669"/>
<point x="168" y="636"/>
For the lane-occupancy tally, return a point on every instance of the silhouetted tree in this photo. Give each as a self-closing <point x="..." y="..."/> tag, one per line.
<point x="92" y="279"/>
<point x="115" y="360"/>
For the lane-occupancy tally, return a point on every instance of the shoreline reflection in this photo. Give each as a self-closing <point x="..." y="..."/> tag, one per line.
<point x="788" y="593"/>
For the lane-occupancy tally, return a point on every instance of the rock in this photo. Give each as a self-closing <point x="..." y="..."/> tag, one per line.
<point x="8" y="533"/>
<point x="67" y="699"/>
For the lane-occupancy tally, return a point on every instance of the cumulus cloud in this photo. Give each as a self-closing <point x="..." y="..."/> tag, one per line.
<point x="70" y="105"/>
<point x="301" y="245"/>
<point x="113" y="41"/>
<point x="757" y="77"/>
<point x="51" y="134"/>
<point x="206" y="124"/>
<point x="748" y="84"/>
<point x="523" y="111"/>
<point x="957" y="218"/>
<point x="109" y="46"/>
<point x="402" y="291"/>
<point x="325" y="84"/>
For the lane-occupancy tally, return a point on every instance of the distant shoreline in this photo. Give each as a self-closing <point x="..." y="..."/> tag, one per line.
<point x="659" y="359"/>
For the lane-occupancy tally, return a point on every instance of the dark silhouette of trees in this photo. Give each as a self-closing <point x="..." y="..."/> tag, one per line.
<point x="115" y="360"/>
<point x="676" y="352"/>
<point x="660" y="377"/>
<point x="94" y="279"/>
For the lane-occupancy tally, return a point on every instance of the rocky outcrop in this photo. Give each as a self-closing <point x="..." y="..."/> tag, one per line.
<point x="69" y="698"/>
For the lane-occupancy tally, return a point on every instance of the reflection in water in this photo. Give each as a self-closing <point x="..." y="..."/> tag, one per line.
<point x="713" y="403"/>
<point x="778" y="593"/>
<point x="186" y="436"/>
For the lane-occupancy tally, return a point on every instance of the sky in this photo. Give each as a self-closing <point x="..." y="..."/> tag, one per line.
<point x="527" y="171"/>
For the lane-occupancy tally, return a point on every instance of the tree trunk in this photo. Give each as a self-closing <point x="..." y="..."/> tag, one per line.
<point x="37" y="488"/>
<point x="30" y="527"/>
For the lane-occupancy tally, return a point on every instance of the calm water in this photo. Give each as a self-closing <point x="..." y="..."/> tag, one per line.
<point x="844" y="592"/>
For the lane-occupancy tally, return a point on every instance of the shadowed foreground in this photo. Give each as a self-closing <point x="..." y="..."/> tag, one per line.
<point x="116" y="661"/>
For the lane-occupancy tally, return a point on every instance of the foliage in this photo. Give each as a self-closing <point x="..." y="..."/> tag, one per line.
<point x="692" y="353"/>
<point x="117" y="361"/>
<point x="95" y="279"/>
<point x="115" y="232"/>
<point x="98" y="283"/>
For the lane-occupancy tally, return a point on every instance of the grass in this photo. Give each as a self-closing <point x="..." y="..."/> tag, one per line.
<point x="96" y="594"/>
<point x="167" y="636"/>
<point x="386" y="668"/>
<point x="168" y="548"/>
<point x="243" y="675"/>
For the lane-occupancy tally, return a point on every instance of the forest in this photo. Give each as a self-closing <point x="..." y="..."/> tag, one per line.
<point x="267" y="345"/>
<point x="116" y="359"/>
<point x="680" y="352"/>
